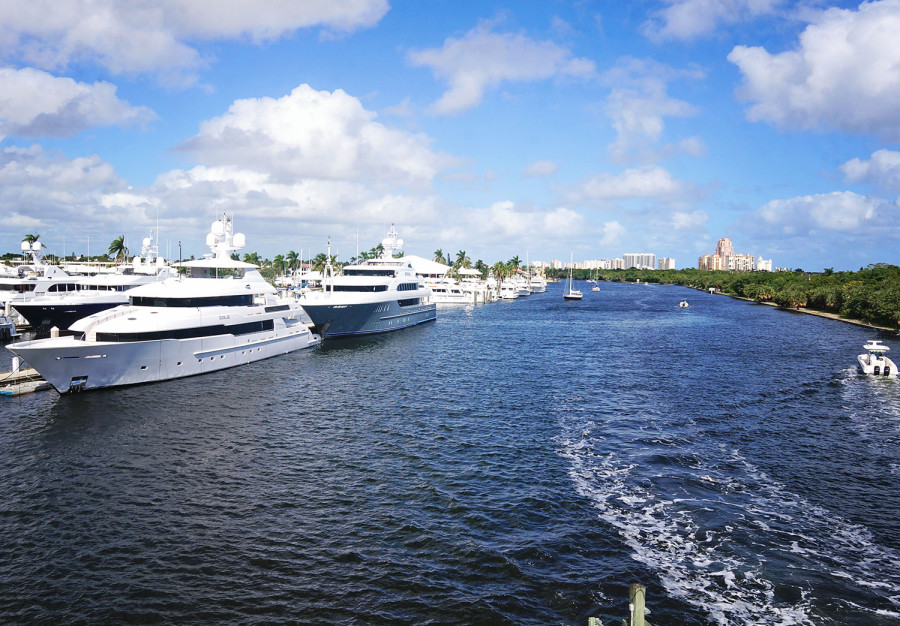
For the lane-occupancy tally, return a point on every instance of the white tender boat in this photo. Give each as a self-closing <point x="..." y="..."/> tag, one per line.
<point x="683" y="304"/>
<point x="375" y="296"/>
<point x="874" y="362"/>
<point x="222" y="315"/>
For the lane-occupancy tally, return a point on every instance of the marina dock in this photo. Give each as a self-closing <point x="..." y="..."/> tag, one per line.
<point x="21" y="381"/>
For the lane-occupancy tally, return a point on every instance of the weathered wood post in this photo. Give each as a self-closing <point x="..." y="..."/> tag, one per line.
<point x="636" y="601"/>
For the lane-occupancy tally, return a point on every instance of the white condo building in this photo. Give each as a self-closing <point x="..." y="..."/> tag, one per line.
<point x="666" y="263"/>
<point x="640" y="260"/>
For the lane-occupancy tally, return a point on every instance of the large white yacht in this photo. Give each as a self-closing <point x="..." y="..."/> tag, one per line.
<point x="221" y="315"/>
<point x="62" y="303"/>
<point x="375" y="296"/>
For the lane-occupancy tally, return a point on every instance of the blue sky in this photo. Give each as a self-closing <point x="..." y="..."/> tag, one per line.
<point x="501" y="129"/>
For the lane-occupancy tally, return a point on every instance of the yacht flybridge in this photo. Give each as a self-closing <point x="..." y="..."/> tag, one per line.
<point x="222" y="314"/>
<point x="376" y="296"/>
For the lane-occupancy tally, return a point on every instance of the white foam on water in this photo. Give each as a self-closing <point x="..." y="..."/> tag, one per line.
<point x="711" y="565"/>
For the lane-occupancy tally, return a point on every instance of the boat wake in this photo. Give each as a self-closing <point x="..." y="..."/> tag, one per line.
<point x="718" y="531"/>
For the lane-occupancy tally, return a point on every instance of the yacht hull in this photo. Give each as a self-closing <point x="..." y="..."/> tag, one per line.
<point x="46" y="316"/>
<point x="343" y="320"/>
<point x="73" y="365"/>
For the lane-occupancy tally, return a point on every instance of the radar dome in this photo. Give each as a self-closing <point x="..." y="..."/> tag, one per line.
<point x="211" y="239"/>
<point x="218" y="228"/>
<point x="146" y="242"/>
<point x="26" y="246"/>
<point x="36" y="246"/>
<point x="239" y="240"/>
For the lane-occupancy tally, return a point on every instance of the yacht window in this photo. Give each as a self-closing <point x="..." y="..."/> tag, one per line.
<point x="62" y="287"/>
<point x="367" y="288"/>
<point x="369" y="272"/>
<point x="408" y="302"/>
<point x="238" y="300"/>
<point x="407" y="286"/>
<point x="187" y="333"/>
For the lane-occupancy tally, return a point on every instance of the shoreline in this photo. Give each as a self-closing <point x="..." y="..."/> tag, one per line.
<point x="832" y="316"/>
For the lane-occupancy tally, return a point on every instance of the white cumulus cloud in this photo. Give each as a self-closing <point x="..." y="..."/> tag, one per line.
<point x="35" y="104"/>
<point x="843" y="75"/>
<point x="483" y="59"/>
<point x="156" y="36"/>
<point x="611" y="234"/>
<point x="644" y="182"/>
<point x="838" y="212"/>
<point x="638" y="104"/>
<point x="321" y="135"/>
<point x="883" y="169"/>
<point x="690" y="19"/>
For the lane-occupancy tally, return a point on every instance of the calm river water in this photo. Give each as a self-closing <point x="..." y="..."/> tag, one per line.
<point x="520" y="462"/>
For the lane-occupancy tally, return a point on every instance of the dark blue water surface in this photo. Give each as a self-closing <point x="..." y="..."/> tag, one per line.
<point x="519" y="462"/>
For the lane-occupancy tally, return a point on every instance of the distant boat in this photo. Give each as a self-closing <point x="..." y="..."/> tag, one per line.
<point x="683" y="304"/>
<point x="570" y="293"/>
<point x="874" y="362"/>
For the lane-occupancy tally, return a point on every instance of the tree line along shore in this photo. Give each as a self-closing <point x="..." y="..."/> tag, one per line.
<point x="870" y="295"/>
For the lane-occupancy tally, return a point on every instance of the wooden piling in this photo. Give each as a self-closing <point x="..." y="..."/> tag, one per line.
<point x="636" y="603"/>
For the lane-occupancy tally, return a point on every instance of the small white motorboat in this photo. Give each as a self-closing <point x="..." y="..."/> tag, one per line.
<point x="874" y="363"/>
<point x="683" y="304"/>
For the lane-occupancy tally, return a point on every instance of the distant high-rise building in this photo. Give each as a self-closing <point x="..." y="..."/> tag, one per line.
<point x="724" y="258"/>
<point x="739" y="262"/>
<point x="665" y="263"/>
<point x="711" y="262"/>
<point x="724" y="247"/>
<point x="763" y="265"/>
<point x="640" y="260"/>
<point x="612" y="264"/>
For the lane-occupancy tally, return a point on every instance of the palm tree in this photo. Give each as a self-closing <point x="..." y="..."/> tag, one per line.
<point x="279" y="263"/>
<point x="515" y="262"/>
<point x="252" y="257"/>
<point x="318" y="263"/>
<point x="117" y="249"/>
<point x="499" y="270"/>
<point x="438" y="256"/>
<point x="292" y="259"/>
<point x="462" y="260"/>
<point x="31" y="238"/>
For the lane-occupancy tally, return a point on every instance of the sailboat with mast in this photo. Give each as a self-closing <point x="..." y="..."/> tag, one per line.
<point x="570" y="293"/>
